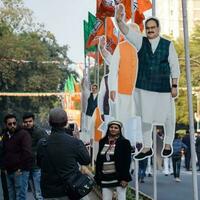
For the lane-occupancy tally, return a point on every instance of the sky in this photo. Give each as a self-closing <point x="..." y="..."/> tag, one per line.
<point x="64" y="18"/>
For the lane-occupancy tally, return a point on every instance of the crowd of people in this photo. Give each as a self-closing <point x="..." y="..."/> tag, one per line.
<point x="23" y="161"/>
<point x="18" y="157"/>
<point x="139" y="93"/>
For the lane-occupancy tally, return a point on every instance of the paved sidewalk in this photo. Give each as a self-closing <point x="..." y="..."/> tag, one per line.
<point x="168" y="188"/>
<point x="91" y="196"/>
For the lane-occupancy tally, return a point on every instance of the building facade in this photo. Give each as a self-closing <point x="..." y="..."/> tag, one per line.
<point x="170" y="14"/>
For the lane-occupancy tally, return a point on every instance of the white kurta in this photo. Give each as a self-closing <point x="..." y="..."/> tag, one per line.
<point x="124" y="104"/>
<point x="86" y="121"/>
<point x="154" y="107"/>
<point x="123" y="108"/>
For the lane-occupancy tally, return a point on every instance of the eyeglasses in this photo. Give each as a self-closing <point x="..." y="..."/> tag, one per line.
<point x="11" y="123"/>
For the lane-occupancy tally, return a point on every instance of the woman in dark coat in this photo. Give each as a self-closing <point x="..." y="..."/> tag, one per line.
<point x="113" y="162"/>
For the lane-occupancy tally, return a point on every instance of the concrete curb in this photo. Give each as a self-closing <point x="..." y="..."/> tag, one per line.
<point x="147" y="197"/>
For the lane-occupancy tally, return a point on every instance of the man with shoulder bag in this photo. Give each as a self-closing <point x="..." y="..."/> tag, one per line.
<point x="59" y="158"/>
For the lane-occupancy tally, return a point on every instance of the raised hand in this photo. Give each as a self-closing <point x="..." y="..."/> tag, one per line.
<point x="102" y="42"/>
<point x="112" y="95"/>
<point x="119" y="15"/>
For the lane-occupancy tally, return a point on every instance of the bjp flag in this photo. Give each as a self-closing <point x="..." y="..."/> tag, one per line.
<point x="127" y="6"/>
<point x="105" y="8"/>
<point x="111" y="35"/>
<point x="96" y="56"/>
<point x="143" y="5"/>
<point x="139" y="17"/>
<point x="97" y="31"/>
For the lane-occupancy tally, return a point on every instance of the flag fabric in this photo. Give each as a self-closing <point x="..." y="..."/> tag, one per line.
<point x="127" y="6"/>
<point x="143" y="5"/>
<point x="97" y="31"/>
<point x="90" y="33"/>
<point x="98" y="3"/>
<point x="111" y="35"/>
<point x="140" y="6"/>
<point x="97" y="56"/>
<point x="69" y="84"/>
<point x="87" y="31"/>
<point x="105" y="8"/>
<point x="91" y="20"/>
<point x="139" y="17"/>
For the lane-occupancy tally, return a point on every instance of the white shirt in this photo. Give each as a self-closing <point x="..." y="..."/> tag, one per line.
<point x="136" y="39"/>
<point x="102" y="91"/>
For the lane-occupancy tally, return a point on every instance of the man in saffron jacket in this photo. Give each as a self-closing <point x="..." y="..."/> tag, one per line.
<point x="121" y="80"/>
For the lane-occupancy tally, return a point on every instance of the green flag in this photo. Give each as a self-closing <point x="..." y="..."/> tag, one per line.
<point x="91" y="21"/>
<point x="87" y="30"/>
<point x="69" y="84"/>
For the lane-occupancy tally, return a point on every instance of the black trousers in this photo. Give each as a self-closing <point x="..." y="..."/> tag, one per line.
<point x="187" y="159"/>
<point x="176" y="162"/>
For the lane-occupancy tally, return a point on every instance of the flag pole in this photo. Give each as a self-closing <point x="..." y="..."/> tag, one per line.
<point x="95" y="66"/>
<point x="154" y="8"/>
<point x="88" y="70"/>
<point x="105" y="31"/>
<point x="154" y="134"/>
<point x="189" y="95"/>
<point x="136" y="161"/>
<point x="154" y="163"/>
<point x="98" y="59"/>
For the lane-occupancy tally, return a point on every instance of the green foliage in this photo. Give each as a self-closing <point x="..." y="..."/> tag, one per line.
<point x="130" y="195"/>
<point x="23" y="40"/>
<point x="181" y="101"/>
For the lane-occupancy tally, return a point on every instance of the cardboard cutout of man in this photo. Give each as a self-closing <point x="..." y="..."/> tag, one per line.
<point x="157" y="82"/>
<point x="121" y="81"/>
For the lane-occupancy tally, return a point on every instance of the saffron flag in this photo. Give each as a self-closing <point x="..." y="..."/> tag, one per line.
<point x="105" y="8"/>
<point x="111" y="35"/>
<point x="96" y="56"/>
<point x="127" y="6"/>
<point x="143" y="5"/>
<point x="140" y="6"/>
<point x="139" y="17"/>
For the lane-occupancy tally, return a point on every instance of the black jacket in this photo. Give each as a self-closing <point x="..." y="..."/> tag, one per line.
<point x="122" y="158"/>
<point x="65" y="153"/>
<point x="92" y="104"/>
<point x="17" y="151"/>
<point x="36" y="135"/>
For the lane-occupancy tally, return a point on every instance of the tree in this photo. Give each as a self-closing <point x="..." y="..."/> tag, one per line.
<point x="22" y="40"/>
<point x="181" y="101"/>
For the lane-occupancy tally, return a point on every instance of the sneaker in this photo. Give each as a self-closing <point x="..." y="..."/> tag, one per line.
<point x="142" y="156"/>
<point x="166" y="153"/>
<point x="178" y="180"/>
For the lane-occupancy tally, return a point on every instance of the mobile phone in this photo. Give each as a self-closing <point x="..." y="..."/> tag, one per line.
<point x="71" y="126"/>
